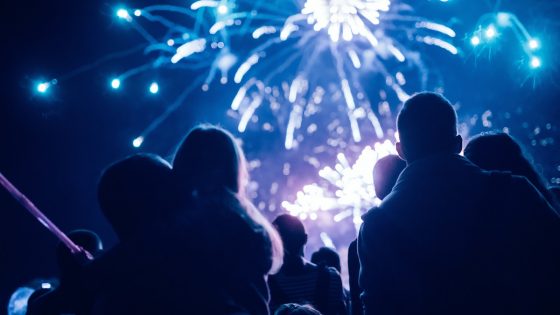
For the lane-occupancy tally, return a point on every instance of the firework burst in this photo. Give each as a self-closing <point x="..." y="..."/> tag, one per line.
<point x="345" y="190"/>
<point x="344" y="39"/>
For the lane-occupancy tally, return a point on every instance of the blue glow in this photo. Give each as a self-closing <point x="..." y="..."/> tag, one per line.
<point x="154" y="88"/>
<point x="534" y="44"/>
<point x="490" y="32"/>
<point x="17" y="304"/>
<point x="43" y="87"/>
<point x="123" y="14"/>
<point x="138" y="142"/>
<point x="536" y="62"/>
<point x="115" y="83"/>
<point x="223" y="9"/>
<point x="475" y="40"/>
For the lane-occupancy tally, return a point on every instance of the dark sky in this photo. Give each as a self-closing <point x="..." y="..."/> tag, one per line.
<point x="54" y="149"/>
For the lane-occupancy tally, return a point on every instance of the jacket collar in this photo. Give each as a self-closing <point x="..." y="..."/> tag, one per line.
<point x="440" y="165"/>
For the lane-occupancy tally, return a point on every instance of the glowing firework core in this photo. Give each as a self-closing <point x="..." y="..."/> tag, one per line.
<point x="344" y="17"/>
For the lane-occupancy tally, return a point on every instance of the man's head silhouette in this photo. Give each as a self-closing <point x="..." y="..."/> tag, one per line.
<point x="427" y="125"/>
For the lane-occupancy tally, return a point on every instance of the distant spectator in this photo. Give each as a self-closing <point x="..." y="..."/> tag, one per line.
<point x="326" y="256"/>
<point x="300" y="281"/>
<point x="498" y="151"/>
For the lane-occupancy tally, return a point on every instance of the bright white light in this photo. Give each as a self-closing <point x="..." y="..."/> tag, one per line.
<point x="137" y="12"/>
<point x="223" y="9"/>
<point x="349" y="189"/>
<point x="263" y="30"/>
<point x="204" y="4"/>
<point x="116" y="83"/>
<point x="189" y="48"/>
<point x="245" y="67"/>
<point x="123" y="14"/>
<point x="504" y="19"/>
<point x="533" y="44"/>
<point x="475" y="40"/>
<point x="170" y="42"/>
<point x="46" y="285"/>
<point x="43" y="87"/>
<point x="535" y="62"/>
<point x="226" y="61"/>
<point x="137" y="142"/>
<point x="490" y="32"/>
<point x="154" y="88"/>
<point x="344" y="17"/>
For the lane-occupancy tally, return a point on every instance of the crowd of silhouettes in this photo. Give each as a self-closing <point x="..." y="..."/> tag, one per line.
<point x="477" y="233"/>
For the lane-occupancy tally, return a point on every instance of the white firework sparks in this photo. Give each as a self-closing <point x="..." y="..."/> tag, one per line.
<point x="344" y="17"/>
<point x="333" y="42"/>
<point x="346" y="190"/>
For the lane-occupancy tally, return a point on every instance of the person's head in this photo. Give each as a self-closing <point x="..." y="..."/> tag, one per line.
<point x="296" y="309"/>
<point x="293" y="234"/>
<point x="210" y="164"/>
<point x="133" y="192"/>
<point x="67" y="263"/>
<point x="326" y="256"/>
<point x="498" y="151"/>
<point x="385" y="174"/>
<point x="427" y="125"/>
<point x="209" y="159"/>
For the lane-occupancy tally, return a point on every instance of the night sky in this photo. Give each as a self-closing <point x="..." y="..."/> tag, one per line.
<point x="55" y="148"/>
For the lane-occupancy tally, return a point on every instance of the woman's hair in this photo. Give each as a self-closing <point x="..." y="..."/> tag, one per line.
<point x="498" y="151"/>
<point x="209" y="161"/>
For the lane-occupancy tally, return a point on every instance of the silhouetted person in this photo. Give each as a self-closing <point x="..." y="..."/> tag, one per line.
<point x="498" y="151"/>
<point x="296" y="309"/>
<point x="68" y="297"/>
<point x="236" y="245"/>
<point x="385" y="174"/>
<point x="133" y="193"/>
<point x="326" y="256"/>
<point x="300" y="281"/>
<point x="452" y="238"/>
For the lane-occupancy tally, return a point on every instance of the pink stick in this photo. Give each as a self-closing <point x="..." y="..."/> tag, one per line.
<point x="24" y="201"/>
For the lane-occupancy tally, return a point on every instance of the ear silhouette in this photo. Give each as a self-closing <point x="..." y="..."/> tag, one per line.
<point x="400" y="150"/>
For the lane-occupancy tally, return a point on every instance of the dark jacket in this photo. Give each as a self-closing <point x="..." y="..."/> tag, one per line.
<point x="353" y="274"/>
<point x="453" y="239"/>
<point x="208" y="260"/>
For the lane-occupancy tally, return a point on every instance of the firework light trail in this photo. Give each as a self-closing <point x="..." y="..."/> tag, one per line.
<point x="493" y="25"/>
<point x="355" y="36"/>
<point x="194" y="47"/>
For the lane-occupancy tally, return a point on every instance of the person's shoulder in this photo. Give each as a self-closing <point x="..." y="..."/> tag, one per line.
<point x="333" y="273"/>
<point x="377" y="213"/>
